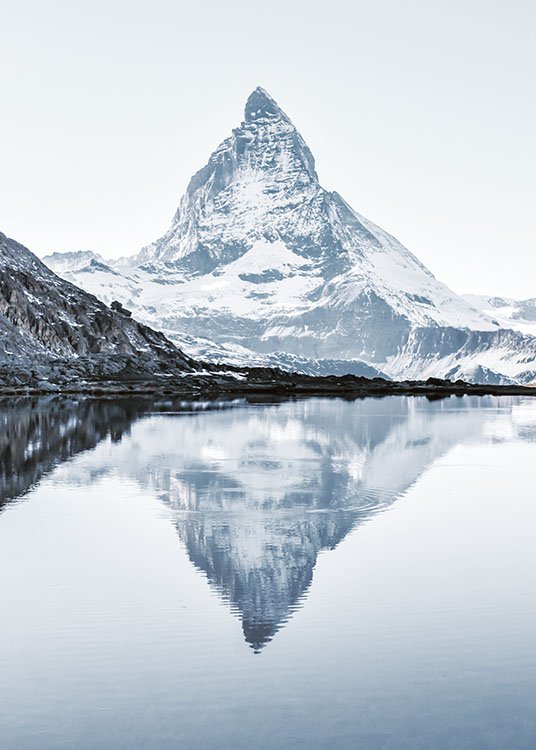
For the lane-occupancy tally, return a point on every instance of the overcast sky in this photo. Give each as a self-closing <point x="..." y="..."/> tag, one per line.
<point x="422" y="114"/>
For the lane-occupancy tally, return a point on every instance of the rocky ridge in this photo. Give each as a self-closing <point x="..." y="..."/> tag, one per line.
<point x="50" y="330"/>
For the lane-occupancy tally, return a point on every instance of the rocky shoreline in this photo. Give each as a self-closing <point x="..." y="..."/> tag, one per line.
<point x="205" y="380"/>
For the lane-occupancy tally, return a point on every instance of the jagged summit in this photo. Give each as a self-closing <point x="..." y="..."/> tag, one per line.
<point x="260" y="104"/>
<point x="258" y="203"/>
<point x="245" y="192"/>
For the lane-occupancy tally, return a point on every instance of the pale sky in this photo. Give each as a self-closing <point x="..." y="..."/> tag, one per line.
<point x="422" y="114"/>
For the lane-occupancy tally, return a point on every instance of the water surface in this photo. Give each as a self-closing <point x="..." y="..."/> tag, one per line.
<point x="308" y="574"/>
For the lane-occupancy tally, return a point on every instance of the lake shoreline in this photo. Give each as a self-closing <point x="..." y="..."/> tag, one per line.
<point x="233" y="382"/>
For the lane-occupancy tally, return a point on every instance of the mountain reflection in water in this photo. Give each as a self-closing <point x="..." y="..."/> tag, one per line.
<point x="256" y="492"/>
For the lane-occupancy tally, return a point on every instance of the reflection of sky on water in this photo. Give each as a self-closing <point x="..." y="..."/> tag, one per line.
<point x="255" y="493"/>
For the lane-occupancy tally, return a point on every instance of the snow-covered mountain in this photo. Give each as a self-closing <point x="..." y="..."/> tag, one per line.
<point x="76" y="261"/>
<point x="519" y="314"/>
<point x="262" y="262"/>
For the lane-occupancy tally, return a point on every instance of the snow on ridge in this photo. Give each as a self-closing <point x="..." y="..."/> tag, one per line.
<point x="519" y="315"/>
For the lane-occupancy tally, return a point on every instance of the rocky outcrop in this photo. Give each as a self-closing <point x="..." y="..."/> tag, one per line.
<point x="46" y="323"/>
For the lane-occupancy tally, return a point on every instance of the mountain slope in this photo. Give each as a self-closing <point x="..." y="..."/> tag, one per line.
<point x="518" y="314"/>
<point x="261" y="259"/>
<point x="44" y="318"/>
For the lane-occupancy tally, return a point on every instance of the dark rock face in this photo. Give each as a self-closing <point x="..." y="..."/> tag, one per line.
<point x="118" y="307"/>
<point x="44" y="318"/>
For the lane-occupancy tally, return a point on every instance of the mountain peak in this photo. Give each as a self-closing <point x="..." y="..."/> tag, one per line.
<point x="261" y="104"/>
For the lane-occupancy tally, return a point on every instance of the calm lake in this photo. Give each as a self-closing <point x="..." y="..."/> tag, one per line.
<point x="308" y="574"/>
